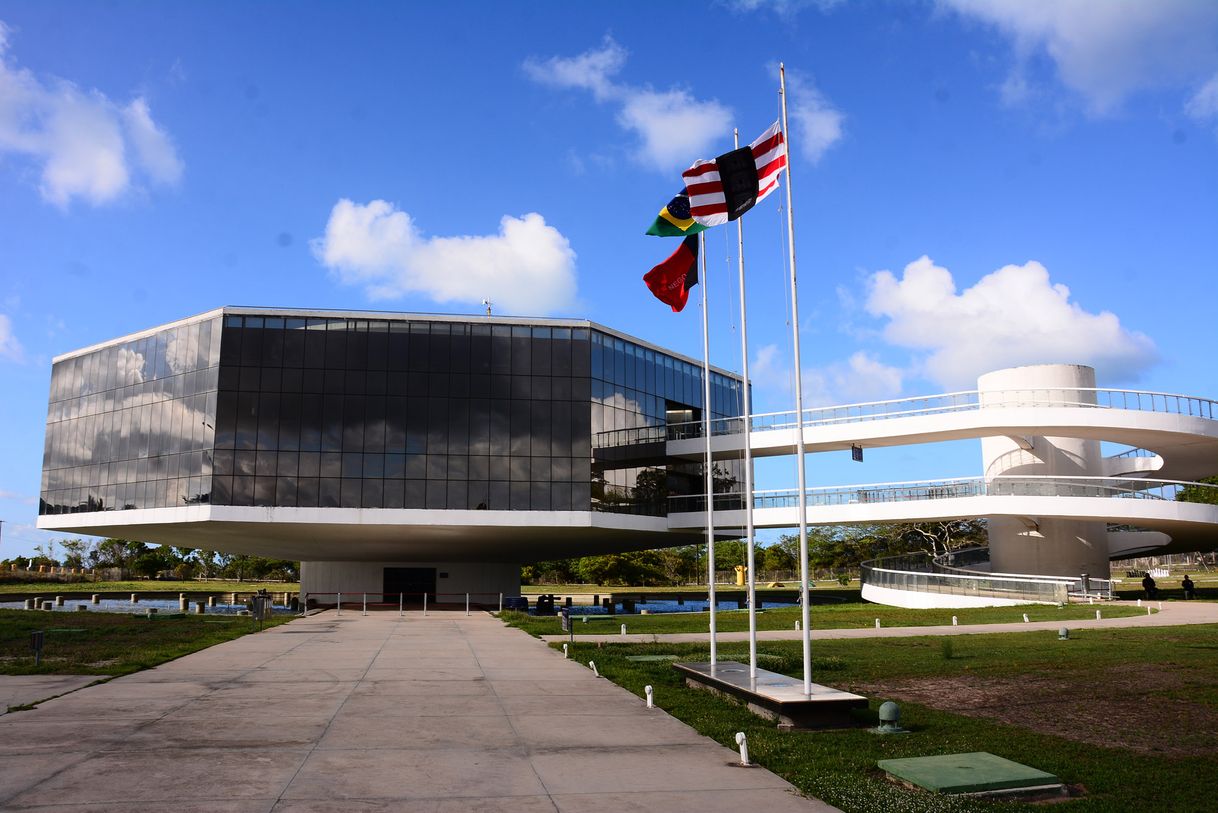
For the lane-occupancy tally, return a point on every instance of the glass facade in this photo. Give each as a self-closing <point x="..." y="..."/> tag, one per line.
<point x="279" y="409"/>
<point x="130" y="425"/>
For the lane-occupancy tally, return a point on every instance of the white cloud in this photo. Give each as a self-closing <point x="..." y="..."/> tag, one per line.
<point x="1011" y="317"/>
<point x="10" y="348"/>
<point x="152" y="145"/>
<point x="673" y="127"/>
<point x="1204" y="103"/>
<point x="592" y="70"/>
<point x="859" y="379"/>
<point x="80" y="139"/>
<point x="784" y="8"/>
<point x="528" y="267"/>
<point x="1104" y="51"/>
<point x="818" y="125"/>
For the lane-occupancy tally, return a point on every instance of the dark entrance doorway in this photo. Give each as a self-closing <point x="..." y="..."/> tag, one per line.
<point x="412" y="581"/>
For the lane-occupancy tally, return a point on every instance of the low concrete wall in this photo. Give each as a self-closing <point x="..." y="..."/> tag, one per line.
<point x="916" y="600"/>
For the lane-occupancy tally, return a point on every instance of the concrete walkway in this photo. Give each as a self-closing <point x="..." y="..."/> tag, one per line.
<point x="358" y="714"/>
<point x="19" y="690"/>
<point x="1174" y="613"/>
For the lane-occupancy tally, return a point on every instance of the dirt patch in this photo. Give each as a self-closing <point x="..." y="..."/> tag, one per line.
<point x="1140" y="707"/>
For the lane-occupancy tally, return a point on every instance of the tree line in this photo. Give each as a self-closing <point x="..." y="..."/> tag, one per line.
<point x="833" y="551"/>
<point x="141" y="560"/>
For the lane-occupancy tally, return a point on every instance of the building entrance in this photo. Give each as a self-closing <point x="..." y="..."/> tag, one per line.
<point x="413" y="582"/>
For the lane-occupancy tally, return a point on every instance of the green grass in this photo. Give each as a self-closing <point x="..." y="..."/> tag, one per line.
<point x="840" y="766"/>
<point x="605" y="590"/>
<point x="59" y="588"/>
<point x="831" y="616"/>
<point x="109" y="643"/>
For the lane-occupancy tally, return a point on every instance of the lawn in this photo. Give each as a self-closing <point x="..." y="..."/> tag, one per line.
<point x="1127" y="717"/>
<point x="109" y="643"/>
<point x="61" y="588"/>
<point x="844" y="615"/>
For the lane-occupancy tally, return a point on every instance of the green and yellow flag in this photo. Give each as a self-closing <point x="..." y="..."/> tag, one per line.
<point x="674" y="219"/>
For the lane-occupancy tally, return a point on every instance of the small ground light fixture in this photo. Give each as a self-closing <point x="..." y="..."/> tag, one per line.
<point x="1063" y="634"/>
<point x="890" y="719"/>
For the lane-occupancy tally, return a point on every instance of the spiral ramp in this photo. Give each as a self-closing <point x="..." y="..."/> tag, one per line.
<point x="1056" y="507"/>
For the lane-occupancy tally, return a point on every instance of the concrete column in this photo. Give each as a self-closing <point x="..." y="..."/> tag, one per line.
<point x="1049" y="547"/>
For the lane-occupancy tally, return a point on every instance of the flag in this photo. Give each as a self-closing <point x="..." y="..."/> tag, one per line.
<point x="671" y="280"/>
<point x="730" y="185"/>
<point x="674" y="219"/>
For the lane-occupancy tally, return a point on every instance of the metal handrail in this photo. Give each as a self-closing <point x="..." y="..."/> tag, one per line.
<point x="914" y="572"/>
<point x="1003" y="486"/>
<point x="962" y="401"/>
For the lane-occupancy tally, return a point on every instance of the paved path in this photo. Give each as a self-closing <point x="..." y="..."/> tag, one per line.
<point x="1175" y="613"/>
<point x="358" y="714"/>
<point x="18" y="690"/>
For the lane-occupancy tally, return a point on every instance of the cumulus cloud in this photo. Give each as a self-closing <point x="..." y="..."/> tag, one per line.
<point x="861" y="377"/>
<point x="671" y="125"/>
<point x="85" y="145"/>
<point x="1104" y="51"/>
<point x="817" y="124"/>
<point x="527" y="266"/>
<point x="1013" y="316"/>
<point x="10" y="348"/>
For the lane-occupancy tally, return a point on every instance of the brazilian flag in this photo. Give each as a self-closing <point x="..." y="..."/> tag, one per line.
<point x="674" y="219"/>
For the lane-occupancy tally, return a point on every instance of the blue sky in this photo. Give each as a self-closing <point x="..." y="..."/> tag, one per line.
<point x="978" y="183"/>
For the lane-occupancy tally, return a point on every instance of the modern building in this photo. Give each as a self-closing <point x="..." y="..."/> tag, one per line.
<point x="435" y="454"/>
<point x="388" y="452"/>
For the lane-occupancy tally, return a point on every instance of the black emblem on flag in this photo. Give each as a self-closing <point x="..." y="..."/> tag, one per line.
<point x="738" y="174"/>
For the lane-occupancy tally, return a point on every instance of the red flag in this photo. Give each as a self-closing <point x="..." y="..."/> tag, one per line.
<point x="671" y="280"/>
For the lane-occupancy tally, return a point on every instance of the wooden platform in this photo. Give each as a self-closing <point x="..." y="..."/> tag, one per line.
<point x="776" y="696"/>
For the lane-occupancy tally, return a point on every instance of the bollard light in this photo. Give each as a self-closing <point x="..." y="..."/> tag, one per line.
<point x="890" y="719"/>
<point x="1063" y="634"/>
<point x="877" y="623"/>
<point x="743" y="742"/>
<point x="564" y="651"/>
<point x="592" y="666"/>
<point x="955" y="621"/>
<point x="1025" y="618"/>
<point x="1099" y="615"/>
<point x="650" y="693"/>
<point x="623" y="629"/>
<point x="1148" y="611"/>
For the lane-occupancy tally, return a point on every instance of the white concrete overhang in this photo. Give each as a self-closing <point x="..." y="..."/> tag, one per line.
<point x="1190" y="526"/>
<point x="380" y="534"/>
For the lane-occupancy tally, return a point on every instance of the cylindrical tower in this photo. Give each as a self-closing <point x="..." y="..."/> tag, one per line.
<point x="1040" y="545"/>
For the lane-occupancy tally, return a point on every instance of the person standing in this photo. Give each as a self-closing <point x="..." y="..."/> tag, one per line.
<point x="1148" y="584"/>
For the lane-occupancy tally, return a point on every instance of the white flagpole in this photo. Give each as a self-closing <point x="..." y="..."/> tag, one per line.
<point x="748" y="454"/>
<point x="710" y="478"/>
<point x="799" y="407"/>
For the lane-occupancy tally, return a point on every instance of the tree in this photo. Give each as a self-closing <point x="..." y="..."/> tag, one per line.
<point x="75" y="552"/>
<point x="1200" y="493"/>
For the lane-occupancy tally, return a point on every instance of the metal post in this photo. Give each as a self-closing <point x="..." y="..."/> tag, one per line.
<point x="710" y="473"/>
<point x="424" y="603"/>
<point x="365" y="604"/>
<point x="340" y="604"/>
<point x="501" y="602"/>
<point x="467" y="604"/>
<point x="748" y="451"/>
<point x="401" y="603"/>
<point x="805" y="612"/>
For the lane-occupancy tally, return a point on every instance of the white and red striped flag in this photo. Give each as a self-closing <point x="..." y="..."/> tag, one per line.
<point x="725" y="188"/>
